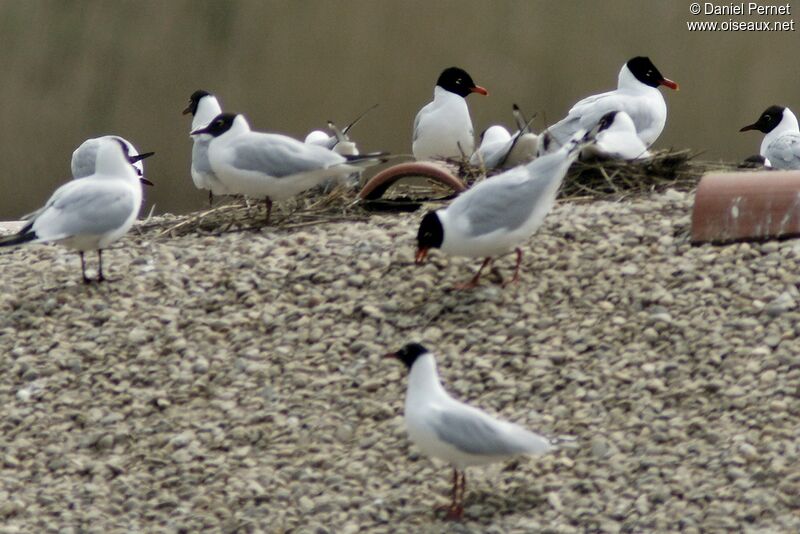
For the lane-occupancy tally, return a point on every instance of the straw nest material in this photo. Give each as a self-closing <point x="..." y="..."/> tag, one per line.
<point x="586" y="181"/>
<point x="617" y="179"/>
<point x="241" y="215"/>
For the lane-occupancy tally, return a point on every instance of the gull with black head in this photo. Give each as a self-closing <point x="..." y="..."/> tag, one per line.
<point x="84" y="157"/>
<point x="461" y="435"/>
<point x="500" y="213"/>
<point x="203" y="106"/>
<point x="780" y="147"/>
<point x="270" y="166"/>
<point x="89" y="213"/>
<point x="637" y="95"/>
<point x="443" y="128"/>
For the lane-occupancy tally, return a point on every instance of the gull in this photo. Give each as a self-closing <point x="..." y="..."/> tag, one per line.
<point x="637" y="95"/>
<point x="461" y="435"/>
<point x="338" y="141"/>
<point x="781" y="145"/>
<point x="89" y="213"/>
<point x="204" y="107"/>
<point x="494" y="147"/>
<point x="616" y="139"/>
<point x="500" y="213"/>
<point x="500" y="150"/>
<point x="443" y="128"/>
<point x="272" y="166"/>
<point x="84" y="157"/>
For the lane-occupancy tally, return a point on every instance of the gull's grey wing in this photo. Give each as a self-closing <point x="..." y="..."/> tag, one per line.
<point x="784" y="152"/>
<point x="422" y="113"/>
<point x="507" y="200"/>
<point x="472" y="434"/>
<point x="278" y="156"/>
<point x="416" y="125"/>
<point x="200" y="161"/>
<point x="84" y="208"/>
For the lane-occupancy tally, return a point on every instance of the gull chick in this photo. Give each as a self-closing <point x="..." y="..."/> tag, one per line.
<point x="444" y="428"/>
<point x="89" y="213"/>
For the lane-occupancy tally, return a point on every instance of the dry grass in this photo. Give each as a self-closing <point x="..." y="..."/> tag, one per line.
<point x="586" y="182"/>
<point x="240" y="215"/>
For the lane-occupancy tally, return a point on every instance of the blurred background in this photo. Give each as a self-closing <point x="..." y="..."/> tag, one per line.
<point x="74" y="70"/>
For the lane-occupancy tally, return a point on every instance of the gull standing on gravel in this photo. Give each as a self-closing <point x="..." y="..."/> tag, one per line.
<point x="443" y="128"/>
<point x="637" y="95"/>
<point x="272" y="166"/>
<point x="204" y="107"/>
<point x="616" y="139"/>
<point x="781" y="145"/>
<point x="85" y="156"/>
<point x="90" y="213"/>
<point x="501" y="212"/>
<point x="457" y="433"/>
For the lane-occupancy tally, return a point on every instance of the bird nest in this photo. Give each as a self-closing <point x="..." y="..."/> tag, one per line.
<point x="241" y="215"/>
<point x="586" y="181"/>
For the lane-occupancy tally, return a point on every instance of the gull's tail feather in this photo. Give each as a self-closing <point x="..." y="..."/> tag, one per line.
<point x="23" y="236"/>
<point x="367" y="160"/>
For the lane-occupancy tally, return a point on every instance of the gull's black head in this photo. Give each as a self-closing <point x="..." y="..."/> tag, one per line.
<point x="409" y="353"/>
<point x="459" y="82"/>
<point x="647" y="73"/>
<point x="221" y="124"/>
<point x="768" y="120"/>
<point x="194" y="100"/>
<point x="430" y="235"/>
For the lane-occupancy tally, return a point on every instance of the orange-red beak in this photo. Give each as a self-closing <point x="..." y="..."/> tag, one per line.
<point x="666" y="82"/>
<point x="480" y="90"/>
<point x="419" y="257"/>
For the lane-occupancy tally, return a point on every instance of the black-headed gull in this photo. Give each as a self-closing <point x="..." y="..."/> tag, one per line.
<point x="781" y="145"/>
<point x="616" y="139"/>
<point x="89" y="213"/>
<point x="443" y="128"/>
<point x="203" y="107"/>
<point x="500" y="213"/>
<point x="637" y="95"/>
<point x="446" y="429"/>
<point x="84" y="157"/>
<point x="272" y="166"/>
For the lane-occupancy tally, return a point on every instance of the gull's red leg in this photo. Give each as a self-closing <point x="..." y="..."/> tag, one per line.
<point x="515" y="279"/>
<point x="473" y="282"/>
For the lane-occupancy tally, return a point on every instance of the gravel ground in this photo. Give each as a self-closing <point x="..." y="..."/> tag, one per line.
<point x="236" y="384"/>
